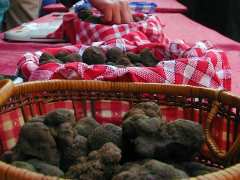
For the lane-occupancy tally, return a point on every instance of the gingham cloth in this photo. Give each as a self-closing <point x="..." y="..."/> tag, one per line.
<point x="78" y="31"/>
<point x="199" y="65"/>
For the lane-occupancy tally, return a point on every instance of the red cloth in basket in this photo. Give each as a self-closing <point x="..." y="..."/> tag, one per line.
<point x="199" y="65"/>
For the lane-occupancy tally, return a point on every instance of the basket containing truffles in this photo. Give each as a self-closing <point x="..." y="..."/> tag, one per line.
<point x="165" y="131"/>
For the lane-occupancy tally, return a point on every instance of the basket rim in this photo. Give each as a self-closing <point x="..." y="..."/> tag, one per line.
<point x="221" y="95"/>
<point x="92" y="85"/>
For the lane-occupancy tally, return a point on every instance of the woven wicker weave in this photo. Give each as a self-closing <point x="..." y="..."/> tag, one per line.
<point x="215" y="102"/>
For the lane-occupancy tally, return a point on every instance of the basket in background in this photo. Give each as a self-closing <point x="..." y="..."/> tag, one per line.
<point x="218" y="111"/>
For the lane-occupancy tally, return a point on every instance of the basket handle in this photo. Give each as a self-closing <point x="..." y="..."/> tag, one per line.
<point x="212" y="145"/>
<point x="6" y="90"/>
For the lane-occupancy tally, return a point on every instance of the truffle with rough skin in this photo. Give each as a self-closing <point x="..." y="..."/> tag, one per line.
<point x="73" y="57"/>
<point x="147" y="138"/>
<point x="139" y="136"/>
<point x="65" y="134"/>
<point x="150" y="169"/>
<point x="61" y="124"/>
<point x="70" y="153"/>
<point x="86" y="125"/>
<point x="134" y="58"/>
<point x="59" y="116"/>
<point x="46" y="169"/>
<point x="62" y="53"/>
<point x="185" y="140"/>
<point x="104" y="134"/>
<point x="114" y="54"/>
<point x="48" y="58"/>
<point x="98" y="165"/>
<point x="150" y="109"/>
<point x="36" y="141"/>
<point x="93" y="55"/>
<point x="124" y="61"/>
<point x="147" y="58"/>
<point x="45" y="57"/>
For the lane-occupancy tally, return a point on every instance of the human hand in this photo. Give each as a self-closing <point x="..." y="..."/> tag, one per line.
<point x="114" y="11"/>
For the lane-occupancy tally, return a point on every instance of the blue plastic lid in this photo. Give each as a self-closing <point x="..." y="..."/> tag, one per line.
<point x="143" y="7"/>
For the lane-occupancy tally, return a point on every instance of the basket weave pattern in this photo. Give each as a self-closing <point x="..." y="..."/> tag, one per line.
<point x="199" y="104"/>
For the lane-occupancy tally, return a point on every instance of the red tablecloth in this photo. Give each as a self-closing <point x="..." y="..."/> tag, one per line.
<point x="10" y="53"/>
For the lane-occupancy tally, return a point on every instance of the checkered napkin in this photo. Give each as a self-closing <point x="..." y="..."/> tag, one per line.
<point x="78" y="31"/>
<point x="198" y="65"/>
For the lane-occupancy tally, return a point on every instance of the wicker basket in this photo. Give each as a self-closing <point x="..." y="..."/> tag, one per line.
<point x="215" y="103"/>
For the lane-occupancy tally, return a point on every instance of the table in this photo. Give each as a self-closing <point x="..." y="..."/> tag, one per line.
<point x="179" y="26"/>
<point x="10" y="52"/>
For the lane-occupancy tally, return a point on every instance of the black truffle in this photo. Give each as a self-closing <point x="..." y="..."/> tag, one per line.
<point x="93" y="55"/>
<point x="114" y="54"/>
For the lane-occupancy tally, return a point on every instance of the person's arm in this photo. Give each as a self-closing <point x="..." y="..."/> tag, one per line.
<point x="114" y="11"/>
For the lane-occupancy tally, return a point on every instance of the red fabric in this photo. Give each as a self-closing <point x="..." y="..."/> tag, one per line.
<point x="78" y="31"/>
<point x="199" y="65"/>
<point x="11" y="52"/>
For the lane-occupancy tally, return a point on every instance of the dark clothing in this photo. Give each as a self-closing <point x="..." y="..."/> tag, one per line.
<point x="233" y="21"/>
<point x="222" y="16"/>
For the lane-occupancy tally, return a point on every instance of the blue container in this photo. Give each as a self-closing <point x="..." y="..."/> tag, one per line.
<point x="143" y="7"/>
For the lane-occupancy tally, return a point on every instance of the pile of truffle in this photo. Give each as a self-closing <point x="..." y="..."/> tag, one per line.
<point x="95" y="55"/>
<point x="144" y="147"/>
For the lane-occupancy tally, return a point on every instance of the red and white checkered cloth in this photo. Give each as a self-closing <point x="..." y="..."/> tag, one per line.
<point x="84" y="32"/>
<point x="199" y="65"/>
<point x="179" y="63"/>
